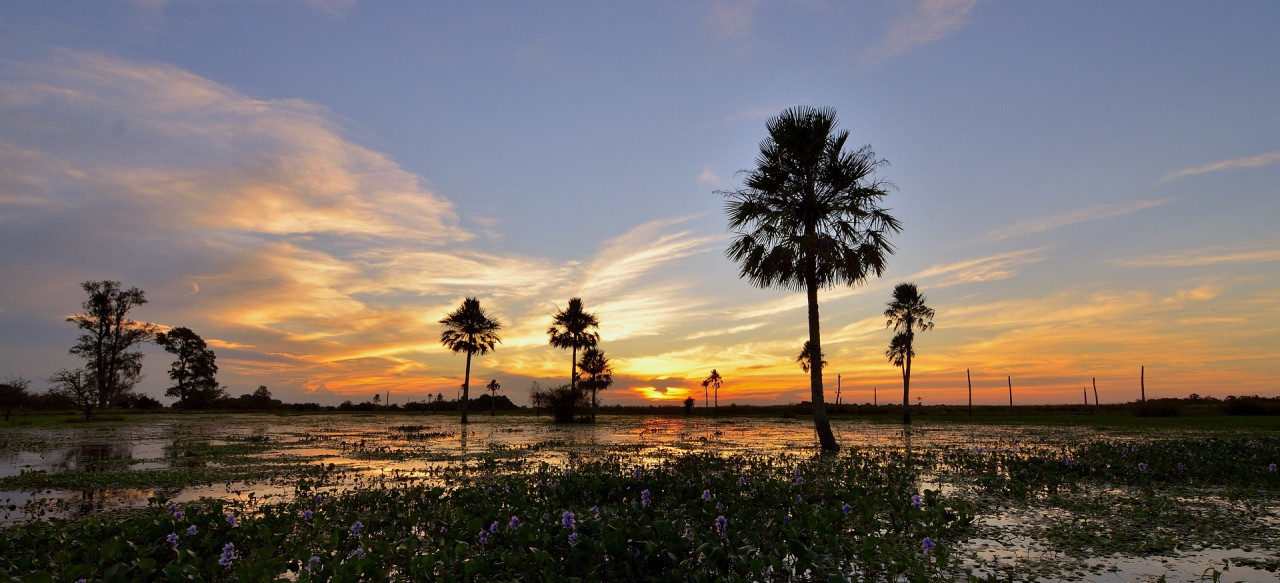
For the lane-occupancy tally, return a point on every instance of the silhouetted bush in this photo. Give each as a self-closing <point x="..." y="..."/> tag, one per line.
<point x="564" y="401"/>
<point x="1158" y="408"/>
<point x="1253" y="405"/>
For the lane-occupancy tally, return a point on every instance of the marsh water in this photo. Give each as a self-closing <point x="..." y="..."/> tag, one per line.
<point x="418" y="446"/>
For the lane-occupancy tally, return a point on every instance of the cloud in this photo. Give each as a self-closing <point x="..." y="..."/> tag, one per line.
<point x="1246" y="253"/>
<point x="708" y="176"/>
<point x="990" y="268"/>
<point x="1252" y="162"/>
<point x="732" y="19"/>
<point x="1091" y="213"/>
<point x="929" y="22"/>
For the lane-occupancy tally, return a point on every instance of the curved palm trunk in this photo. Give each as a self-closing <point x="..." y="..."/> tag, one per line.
<point x="826" y="438"/>
<point x="593" y="404"/>
<point x="906" y="376"/>
<point x="466" y="386"/>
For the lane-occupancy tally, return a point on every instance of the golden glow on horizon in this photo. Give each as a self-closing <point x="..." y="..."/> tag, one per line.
<point x="665" y="394"/>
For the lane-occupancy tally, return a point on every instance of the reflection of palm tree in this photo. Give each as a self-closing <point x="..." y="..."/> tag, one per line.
<point x="469" y="329"/>
<point x="805" y="362"/>
<point x="598" y="373"/>
<point x="494" y="386"/>
<point x="807" y="218"/>
<point x="907" y="312"/>
<point x="714" y="381"/>
<point x="570" y="329"/>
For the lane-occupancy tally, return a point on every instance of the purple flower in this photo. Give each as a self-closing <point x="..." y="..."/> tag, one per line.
<point x="1180" y="466"/>
<point x="358" y="553"/>
<point x="306" y="514"/>
<point x="846" y="508"/>
<point x="1142" y="467"/>
<point x="192" y="530"/>
<point x="722" y="525"/>
<point x="719" y="507"/>
<point x="231" y="520"/>
<point x="567" y="521"/>
<point x="595" y="510"/>
<point x="313" y="564"/>
<point x="644" y="498"/>
<point x="1272" y="467"/>
<point x="172" y="538"/>
<point x="927" y="546"/>
<point x="916" y="502"/>
<point x="799" y="498"/>
<point x="228" y="554"/>
<point x="706" y="480"/>
<point x="742" y="481"/>
<point x="494" y="527"/>
<point x="688" y="533"/>
<point x="671" y="472"/>
<point x="786" y="519"/>
<point x="355" y="528"/>
<point x="635" y="473"/>
<point x="514" y="523"/>
<point x="319" y="497"/>
<point x="177" y="513"/>
<point x="483" y="535"/>
<point x="799" y="480"/>
<point x="444" y="529"/>
<point x="706" y="494"/>
<point x="797" y="472"/>
<point x="573" y="537"/>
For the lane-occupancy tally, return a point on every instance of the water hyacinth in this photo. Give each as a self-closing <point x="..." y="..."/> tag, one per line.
<point x="916" y="502"/>
<point x="192" y="530"/>
<point x="1272" y="467"/>
<point x="494" y="527"/>
<point x="573" y="537"/>
<point x="514" y="523"/>
<point x="483" y="536"/>
<point x="706" y="494"/>
<point x="1142" y="467"/>
<point x="799" y="480"/>
<point x="355" y="528"/>
<point x="719" y="507"/>
<point x="742" y="481"/>
<point x="358" y="553"/>
<point x="306" y="514"/>
<point x="636" y="473"/>
<point x="231" y="520"/>
<point x="172" y="539"/>
<point x="567" y="521"/>
<point x="927" y="546"/>
<point x="644" y="498"/>
<point x="313" y="564"/>
<point x="228" y="555"/>
<point x="846" y="508"/>
<point x="722" y="526"/>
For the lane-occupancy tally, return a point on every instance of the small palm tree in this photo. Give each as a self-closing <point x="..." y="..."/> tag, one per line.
<point x="494" y="386"/>
<point x="597" y="373"/>
<point x="572" y="328"/>
<point x="714" y="381"/>
<point x="907" y="312"/>
<point x="805" y="362"/>
<point x="808" y="218"/>
<point x="469" y="329"/>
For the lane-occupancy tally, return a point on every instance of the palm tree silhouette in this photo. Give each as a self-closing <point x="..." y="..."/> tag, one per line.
<point x="494" y="386"/>
<point x="714" y="381"/>
<point x="807" y="219"/>
<point x="907" y="312"/>
<point x="805" y="362"/>
<point x="598" y="373"/>
<point x="570" y="328"/>
<point x="469" y="329"/>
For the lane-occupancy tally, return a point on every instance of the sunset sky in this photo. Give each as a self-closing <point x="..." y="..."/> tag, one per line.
<point x="311" y="185"/>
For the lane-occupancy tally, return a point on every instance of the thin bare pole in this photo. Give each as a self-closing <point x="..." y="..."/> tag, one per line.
<point x="1095" y="392"/>
<point x="1085" y="390"/>
<point x="970" y="381"/>
<point x="1142" y="380"/>
<point x="875" y="402"/>
<point x="1010" y="378"/>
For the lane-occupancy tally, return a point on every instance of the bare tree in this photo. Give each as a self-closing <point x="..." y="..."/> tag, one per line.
<point x="109" y="338"/>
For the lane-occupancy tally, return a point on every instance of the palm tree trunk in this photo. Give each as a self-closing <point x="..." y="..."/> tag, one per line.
<point x="826" y="439"/>
<point x="906" y="388"/>
<point x="466" y="386"/>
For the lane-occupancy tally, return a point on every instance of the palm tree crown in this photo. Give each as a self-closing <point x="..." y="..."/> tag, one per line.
<point x="808" y="217"/>
<point x="469" y="329"/>
<point x="571" y="328"/>
<point x="804" y="360"/>
<point x="908" y="312"/>
<point x="715" y="381"/>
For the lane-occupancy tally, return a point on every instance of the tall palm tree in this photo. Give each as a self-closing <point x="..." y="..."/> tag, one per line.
<point x="907" y="312"/>
<point x="597" y="372"/>
<point x="469" y="329"/>
<point x="806" y="362"/>
<point x="494" y="386"/>
<point x="807" y="218"/>
<point x="571" y="328"/>
<point x="714" y="381"/>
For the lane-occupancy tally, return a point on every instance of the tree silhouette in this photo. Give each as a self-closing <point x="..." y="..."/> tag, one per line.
<point x="494" y="386"/>
<point x="193" y="370"/>
<point x="907" y="312"/>
<point x="469" y="329"/>
<point x="572" y="328"/>
<point x="111" y="366"/>
<point x="806" y="362"/>
<point x="597" y="373"/>
<point x="807" y="218"/>
<point x="714" y="381"/>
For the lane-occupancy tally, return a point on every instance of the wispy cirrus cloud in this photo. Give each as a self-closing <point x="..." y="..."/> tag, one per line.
<point x="929" y="21"/>
<point x="1090" y="213"/>
<point x="1246" y="253"/>
<point x="1258" y="161"/>
<point x="990" y="268"/>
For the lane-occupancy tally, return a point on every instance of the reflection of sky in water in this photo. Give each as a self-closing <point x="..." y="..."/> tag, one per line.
<point x="422" y="446"/>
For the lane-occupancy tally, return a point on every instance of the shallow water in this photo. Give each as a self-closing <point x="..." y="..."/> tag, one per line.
<point x="421" y="446"/>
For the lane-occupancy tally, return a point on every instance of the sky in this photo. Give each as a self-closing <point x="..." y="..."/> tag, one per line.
<point x="1085" y="189"/>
